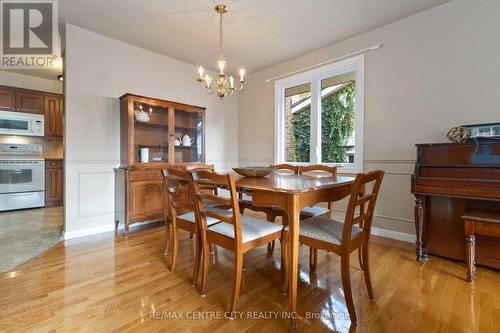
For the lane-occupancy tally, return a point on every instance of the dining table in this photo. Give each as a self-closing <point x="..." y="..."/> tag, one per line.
<point x="292" y="193"/>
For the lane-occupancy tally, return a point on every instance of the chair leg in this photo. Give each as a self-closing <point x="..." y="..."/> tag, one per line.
<point x="167" y="238"/>
<point x="175" y="247"/>
<point x="346" y="284"/>
<point x="197" y="258"/>
<point x="206" y="263"/>
<point x="216" y="252"/>
<point x="313" y="260"/>
<point x="284" y="263"/>
<point x="238" y="272"/>
<point x="270" y="246"/>
<point x="471" y="269"/>
<point x="360" y="258"/>
<point x="366" y="270"/>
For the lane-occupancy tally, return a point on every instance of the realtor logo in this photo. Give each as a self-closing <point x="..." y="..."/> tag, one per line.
<point x="29" y="33"/>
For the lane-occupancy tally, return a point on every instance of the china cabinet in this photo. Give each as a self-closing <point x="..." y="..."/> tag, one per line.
<point x="172" y="134"/>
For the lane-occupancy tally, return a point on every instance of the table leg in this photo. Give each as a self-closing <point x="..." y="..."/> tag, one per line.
<point x="294" y="218"/>
<point x="419" y="226"/>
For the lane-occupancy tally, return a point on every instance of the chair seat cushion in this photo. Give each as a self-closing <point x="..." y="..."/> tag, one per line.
<point x="314" y="211"/>
<point x="325" y="229"/>
<point x="210" y="220"/>
<point x="251" y="228"/>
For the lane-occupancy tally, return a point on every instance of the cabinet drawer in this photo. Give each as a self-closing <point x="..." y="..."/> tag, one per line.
<point x="145" y="175"/>
<point x="53" y="164"/>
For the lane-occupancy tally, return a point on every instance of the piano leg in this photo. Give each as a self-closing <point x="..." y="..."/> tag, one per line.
<point x="419" y="226"/>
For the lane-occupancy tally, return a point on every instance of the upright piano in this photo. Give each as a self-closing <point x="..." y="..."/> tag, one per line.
<point x="450" y="178"/>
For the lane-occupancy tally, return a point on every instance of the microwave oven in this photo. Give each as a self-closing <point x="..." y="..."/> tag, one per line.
<point x="18" y="123"/>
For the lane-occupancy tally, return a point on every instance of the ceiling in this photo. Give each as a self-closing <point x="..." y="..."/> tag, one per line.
<point x="257" y="33"/>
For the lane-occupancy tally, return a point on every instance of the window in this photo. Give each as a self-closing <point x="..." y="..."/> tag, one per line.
<point x="320" y="116"/>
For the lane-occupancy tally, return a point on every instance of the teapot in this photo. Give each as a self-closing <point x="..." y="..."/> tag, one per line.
<point x="177" y="141"/>
<point x="186" y="140"/>
<point x="141" y="115"/>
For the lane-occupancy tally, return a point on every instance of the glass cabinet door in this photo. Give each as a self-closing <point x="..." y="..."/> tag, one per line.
<point x="150" y="133"/>
<point x="189" y="136"/>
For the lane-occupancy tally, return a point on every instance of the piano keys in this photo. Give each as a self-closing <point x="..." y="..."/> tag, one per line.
<point x="450" y="178"/>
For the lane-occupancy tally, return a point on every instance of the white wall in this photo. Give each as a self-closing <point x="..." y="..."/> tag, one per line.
<point x="437" y="69"/>
<point x="21" y="80"/>
<point x="98" y="70"/>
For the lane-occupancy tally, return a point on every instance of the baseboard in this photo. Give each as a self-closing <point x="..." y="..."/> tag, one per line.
<point x="98" y="230"/>
<point x="88" y="232"/>
<point x="401" y="236"/>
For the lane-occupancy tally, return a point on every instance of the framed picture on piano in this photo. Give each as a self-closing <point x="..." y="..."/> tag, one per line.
<point x="487" y="131"/>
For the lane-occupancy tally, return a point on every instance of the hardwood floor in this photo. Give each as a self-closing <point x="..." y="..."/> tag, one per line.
<point x="107" y="283"/>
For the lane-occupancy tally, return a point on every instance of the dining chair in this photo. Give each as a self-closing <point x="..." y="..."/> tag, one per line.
<point x="237" y="233"/>
<point x="179" y="212"/>
<point x="343" y="238"/>
<point x="317" y="170"/>
<point x="202" y="166"/>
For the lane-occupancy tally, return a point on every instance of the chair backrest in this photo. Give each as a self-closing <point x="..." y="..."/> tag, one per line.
<point x="178" y="191"/>
<point x="318" y="168"/>
<point x="203" y="178"/>
<point x="284" y="167"/>
<point x="200" y="166"/>
<point x="359" y="200"/>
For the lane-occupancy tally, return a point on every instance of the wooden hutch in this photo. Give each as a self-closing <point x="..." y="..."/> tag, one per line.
<point x="139" y="185"/>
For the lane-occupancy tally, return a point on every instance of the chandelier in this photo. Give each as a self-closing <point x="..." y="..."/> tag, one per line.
<point x="223" y="84"/>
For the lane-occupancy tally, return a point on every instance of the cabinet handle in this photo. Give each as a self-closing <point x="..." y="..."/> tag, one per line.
<point x="147" y="197"/>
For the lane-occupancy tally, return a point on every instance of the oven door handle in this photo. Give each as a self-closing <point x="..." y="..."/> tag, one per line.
<point x="23" y="194"/>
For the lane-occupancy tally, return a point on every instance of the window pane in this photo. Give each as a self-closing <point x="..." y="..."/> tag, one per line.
<point x="298" y="123"/>
<point x="337" y="118"/>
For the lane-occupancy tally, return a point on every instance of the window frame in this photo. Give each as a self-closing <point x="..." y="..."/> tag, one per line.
<point x="314" y="78"/>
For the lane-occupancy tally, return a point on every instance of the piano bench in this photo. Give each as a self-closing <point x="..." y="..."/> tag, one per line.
<point x="478" y="223"/>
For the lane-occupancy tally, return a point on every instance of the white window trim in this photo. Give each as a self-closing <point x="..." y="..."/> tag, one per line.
<point x="314" y="77"/>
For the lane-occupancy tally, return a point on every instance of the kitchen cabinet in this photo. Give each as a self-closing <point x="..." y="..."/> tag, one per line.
<point x="29" y="102"/>
<point x="139" y="185"/>
<point x="53" y="183"/>
<point x="7" y="99"/>
<point x="53" y="111"/>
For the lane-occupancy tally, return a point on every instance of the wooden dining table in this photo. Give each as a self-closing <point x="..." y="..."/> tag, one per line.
<point x="292" y="193"/>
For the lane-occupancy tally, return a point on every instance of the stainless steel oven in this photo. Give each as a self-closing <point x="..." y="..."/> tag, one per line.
<point x="18" y="123"/>
<point x="22" y="176"/>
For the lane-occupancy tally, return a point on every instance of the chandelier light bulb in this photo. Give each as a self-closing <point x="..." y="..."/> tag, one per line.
<point x="200" y="71"/>
<point x="222" y="63"/>
<point x="242" y="74"/>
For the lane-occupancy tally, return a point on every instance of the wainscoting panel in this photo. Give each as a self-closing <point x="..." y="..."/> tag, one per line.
<point x="89" y="197"/>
